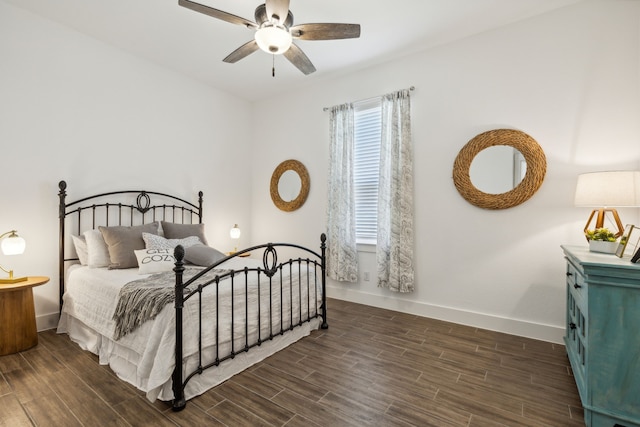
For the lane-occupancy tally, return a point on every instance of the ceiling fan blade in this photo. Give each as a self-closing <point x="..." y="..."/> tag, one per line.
<point x="325" y="31"/>
<point x="280" y="8"/>
<point x="241" y="52"/>
<point x="296" y="56"/>
<point x="215" y="13"/>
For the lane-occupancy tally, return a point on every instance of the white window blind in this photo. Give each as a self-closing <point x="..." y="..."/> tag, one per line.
<point x="368" y="133"/>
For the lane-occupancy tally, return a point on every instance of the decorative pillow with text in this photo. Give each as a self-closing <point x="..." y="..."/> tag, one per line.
<point x="154" y="260"/>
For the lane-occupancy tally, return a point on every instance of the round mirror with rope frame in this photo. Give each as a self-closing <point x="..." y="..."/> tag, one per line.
<point x="525" y="144"/>
<point x="298" y="201"/>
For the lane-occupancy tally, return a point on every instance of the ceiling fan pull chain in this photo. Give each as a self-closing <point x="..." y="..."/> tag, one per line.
<point x="273" y="66"/>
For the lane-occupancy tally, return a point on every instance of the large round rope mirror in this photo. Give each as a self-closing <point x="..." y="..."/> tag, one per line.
<point x="536" y="168"/>
<point x="289" y="185"/>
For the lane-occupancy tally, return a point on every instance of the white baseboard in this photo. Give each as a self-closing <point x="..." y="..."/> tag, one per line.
<point x="47" y="321"/>
<point x="521" y="328"/>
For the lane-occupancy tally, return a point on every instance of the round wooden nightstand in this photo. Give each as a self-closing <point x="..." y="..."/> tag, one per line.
<point x="244" y="255"/>
<point x="17" y="315"/>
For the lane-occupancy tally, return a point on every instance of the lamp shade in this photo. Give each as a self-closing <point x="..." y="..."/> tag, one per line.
<point x="608" y="189"/>
<point x="13" y="244"/>
<point x="235" y="232"/>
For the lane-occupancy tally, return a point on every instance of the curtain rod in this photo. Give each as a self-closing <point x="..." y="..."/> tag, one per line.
<point x="412" y="88"/>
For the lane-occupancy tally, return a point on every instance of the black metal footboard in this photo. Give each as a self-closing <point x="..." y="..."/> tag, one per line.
<point x="288" y="295"/>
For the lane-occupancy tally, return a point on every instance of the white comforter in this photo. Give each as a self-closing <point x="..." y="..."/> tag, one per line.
<point x="145" y="357"/>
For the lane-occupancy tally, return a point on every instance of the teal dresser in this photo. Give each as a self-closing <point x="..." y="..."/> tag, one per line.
<point x="603" y="335"/>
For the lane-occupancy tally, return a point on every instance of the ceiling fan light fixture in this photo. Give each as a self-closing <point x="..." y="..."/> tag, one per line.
<point x="274" y="39"/>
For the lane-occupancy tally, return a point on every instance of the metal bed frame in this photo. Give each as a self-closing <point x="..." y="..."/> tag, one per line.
<point x="135" y="207"/>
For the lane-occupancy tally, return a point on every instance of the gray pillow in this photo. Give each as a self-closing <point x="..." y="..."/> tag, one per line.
<point x="180" y="231"/>
<point x="202" y="255"/>
<point x="123" y="241"/>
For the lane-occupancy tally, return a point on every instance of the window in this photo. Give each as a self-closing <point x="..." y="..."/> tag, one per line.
<point x="367" y="135"/>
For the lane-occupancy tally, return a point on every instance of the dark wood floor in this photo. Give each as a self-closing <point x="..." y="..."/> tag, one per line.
<point x="371" y="367"/>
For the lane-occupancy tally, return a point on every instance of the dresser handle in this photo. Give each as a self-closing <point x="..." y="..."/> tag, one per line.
<point x="572" y="325"/>
<point x="569" y="274"/>
<point x="577" y="286"/>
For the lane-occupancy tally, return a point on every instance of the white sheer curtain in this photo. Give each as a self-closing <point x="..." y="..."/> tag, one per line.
<point x="342" y="253"/>
<point x="394" y="250"/>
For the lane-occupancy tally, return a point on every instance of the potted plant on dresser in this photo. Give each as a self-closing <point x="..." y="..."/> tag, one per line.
<point x="602" y="240"/>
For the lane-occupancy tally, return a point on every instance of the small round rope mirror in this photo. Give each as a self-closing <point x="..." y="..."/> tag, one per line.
<point x="535" y="172"/>
<point x="298" y="201"/>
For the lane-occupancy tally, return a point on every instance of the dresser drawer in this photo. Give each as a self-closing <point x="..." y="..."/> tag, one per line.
<point x="576" y="280"/>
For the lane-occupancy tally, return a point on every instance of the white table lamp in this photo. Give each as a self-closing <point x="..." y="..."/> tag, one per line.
<point x="12" y="245"/>
<point x="234" y="233"/>
<point x="606" y="191"/>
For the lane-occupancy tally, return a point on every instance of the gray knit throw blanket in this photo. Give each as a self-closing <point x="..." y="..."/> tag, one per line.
<point x="144" y="299"/>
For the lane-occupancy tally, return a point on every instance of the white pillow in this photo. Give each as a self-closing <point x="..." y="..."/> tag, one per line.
<point x="97" y="249"/>
<point x="153" y="241"/>
<point x="80" y="243"/>
<point x="154" y="260"/>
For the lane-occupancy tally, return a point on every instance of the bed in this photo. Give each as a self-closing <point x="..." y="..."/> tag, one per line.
<point x="142" y="288"/>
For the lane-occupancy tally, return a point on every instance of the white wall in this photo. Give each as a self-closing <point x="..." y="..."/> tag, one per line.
<point x="570" y="79"/>
<point x="76" y="109"/>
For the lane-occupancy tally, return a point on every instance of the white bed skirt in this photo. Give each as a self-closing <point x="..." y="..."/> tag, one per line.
<point x="124" y="361"/>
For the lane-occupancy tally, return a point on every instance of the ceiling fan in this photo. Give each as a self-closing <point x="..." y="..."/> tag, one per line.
<point x="275" y="32"/>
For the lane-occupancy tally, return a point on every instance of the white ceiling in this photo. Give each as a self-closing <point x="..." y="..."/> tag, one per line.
<point x="194" y="44"/>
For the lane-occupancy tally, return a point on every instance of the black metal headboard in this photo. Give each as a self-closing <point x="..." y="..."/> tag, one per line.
<point x="126" y="207"/>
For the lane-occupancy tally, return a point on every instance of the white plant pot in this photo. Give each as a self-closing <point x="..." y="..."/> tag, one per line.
<point x="603" y="247"/>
